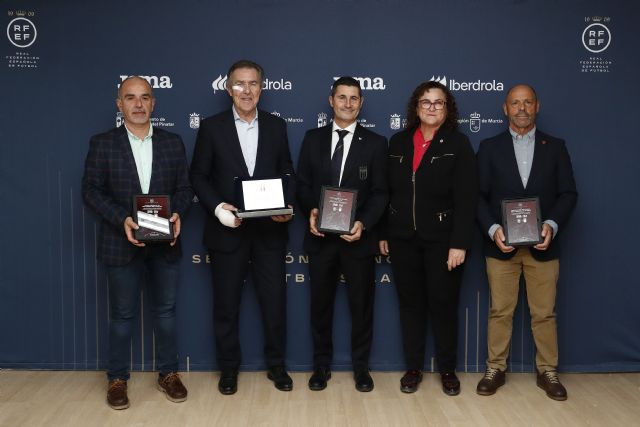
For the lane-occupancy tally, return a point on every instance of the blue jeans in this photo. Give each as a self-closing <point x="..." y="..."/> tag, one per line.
<point x="125" y="283"/>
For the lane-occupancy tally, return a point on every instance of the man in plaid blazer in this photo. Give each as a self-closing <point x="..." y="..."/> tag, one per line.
<point x="137" y="159"/>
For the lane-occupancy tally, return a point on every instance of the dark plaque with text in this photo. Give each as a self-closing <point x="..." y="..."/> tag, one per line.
<point x="337" y="210"/>
<point x="152" y="213"/>
<point x="521" y="221"/>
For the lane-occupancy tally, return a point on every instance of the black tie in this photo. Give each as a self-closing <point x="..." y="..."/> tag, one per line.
<point x="336" y="159"/>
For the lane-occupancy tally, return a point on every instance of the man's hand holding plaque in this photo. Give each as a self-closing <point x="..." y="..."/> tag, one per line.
<point x="356" y="232"/>
<point x="547" y="235"/>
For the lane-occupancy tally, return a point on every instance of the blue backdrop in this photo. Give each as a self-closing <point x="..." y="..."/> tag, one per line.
<point x="61" y="65"/>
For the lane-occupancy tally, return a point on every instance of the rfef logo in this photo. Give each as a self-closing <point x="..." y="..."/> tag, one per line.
<point x="21" y="32"/>
<point x="596" y="37"/>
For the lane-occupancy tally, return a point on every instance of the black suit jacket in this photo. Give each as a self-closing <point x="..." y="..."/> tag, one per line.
<point x="364" y="170"/>
<point x="551" y="179"/>
<point x="217" y="160"/>
<point x="111" y="180"/>
<point x="439" y="202"/>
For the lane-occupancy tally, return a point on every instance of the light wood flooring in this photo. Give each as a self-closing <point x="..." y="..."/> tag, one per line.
<point x="50" y="398"/>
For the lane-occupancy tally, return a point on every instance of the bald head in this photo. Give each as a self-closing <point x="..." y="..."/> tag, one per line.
<point x="521" y="87"/>
<point x="129" y="80"/>
<point x="521" y="107"/>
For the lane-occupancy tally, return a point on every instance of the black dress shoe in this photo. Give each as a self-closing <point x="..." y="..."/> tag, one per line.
<point x="280" y="378"/>
<point x="363" y="380"/>
<point x="319" y="378"/>
<point x="450" y="383"/>
<point x="228" y="383"/>
<point x="410" y="381"/>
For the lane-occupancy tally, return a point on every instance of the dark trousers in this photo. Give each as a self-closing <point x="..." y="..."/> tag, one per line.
<point x="125" y="283"/>
<point x="268" y="272"/>
<point x="325" y="267"/>
<point x="426" y="288"/>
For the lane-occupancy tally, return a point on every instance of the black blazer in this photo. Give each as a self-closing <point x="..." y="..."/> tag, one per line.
<point x="439" y="203"/>
<point x="551" y="179"/>
<point x="111" y="180"/>
<point x="217" y="160"/>
<point x="364" y="170"/>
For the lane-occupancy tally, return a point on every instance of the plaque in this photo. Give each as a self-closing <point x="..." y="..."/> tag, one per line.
<point x="337" y="210"/>
<point x="521" y="222"/>
<point x="152" y="213"/>
<point x="261" y="197"/>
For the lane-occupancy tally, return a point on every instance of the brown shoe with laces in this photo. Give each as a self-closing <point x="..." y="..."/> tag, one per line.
<point x="117" y="394"/>
<point x="549" y="382"/>
<point x="492" y="380"/>
<point x="172" y="387"/>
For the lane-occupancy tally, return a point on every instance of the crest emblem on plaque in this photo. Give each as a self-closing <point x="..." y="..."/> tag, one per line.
<point x="194" y="120"/>
<point x="474" y="122"/>
<point x="394" y="121"/>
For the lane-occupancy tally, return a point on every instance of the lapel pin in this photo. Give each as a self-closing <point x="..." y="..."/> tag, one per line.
<point x="441" y="141"/>
<point x="359" y="138"/>
<point x="544" y="142"/>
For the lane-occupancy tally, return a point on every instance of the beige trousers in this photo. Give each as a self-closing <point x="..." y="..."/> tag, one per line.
<point x="504" y="283"/>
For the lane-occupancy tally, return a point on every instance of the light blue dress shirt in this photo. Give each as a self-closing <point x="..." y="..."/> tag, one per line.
<point x="143" y="155"/>
<point x="248" y="136"/>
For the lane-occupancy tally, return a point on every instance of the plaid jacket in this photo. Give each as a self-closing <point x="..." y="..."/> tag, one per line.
<point x="111" y="180"/>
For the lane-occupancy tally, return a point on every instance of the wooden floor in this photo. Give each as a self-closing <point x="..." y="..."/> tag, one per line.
<point x="49" y="398"/>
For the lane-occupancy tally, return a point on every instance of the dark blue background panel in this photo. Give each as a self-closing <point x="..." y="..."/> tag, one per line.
<point x="61" y="65"/>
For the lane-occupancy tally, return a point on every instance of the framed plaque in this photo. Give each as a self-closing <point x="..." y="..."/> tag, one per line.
<point x="337" y="210"/>
<point x="521" y="221"/>
<point x="152" y="212"/>
<point x="261" y="197"/>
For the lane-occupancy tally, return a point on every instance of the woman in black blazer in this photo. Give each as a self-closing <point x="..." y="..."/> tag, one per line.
<point x="432" y="202"/>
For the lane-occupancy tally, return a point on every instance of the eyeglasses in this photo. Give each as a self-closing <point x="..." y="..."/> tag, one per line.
<point x="425" y="104"/>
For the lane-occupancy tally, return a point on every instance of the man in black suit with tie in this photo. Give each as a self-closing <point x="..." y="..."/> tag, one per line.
<point x="134" y="159"/>
<point x="242" y="142"/>
<point x="343" y="154"/>
<point x="522" y="163"/>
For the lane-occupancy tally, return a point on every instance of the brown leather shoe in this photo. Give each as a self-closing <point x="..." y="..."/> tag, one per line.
<point x="410" y="381"/>
<point x="171" y="385"/>
<point x="492" y="380"/>
<point x="117" y="394"/>
<point x="550" y="383"/>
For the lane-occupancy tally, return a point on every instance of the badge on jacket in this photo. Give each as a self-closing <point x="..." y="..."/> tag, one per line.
<point x="363" y="172"/>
